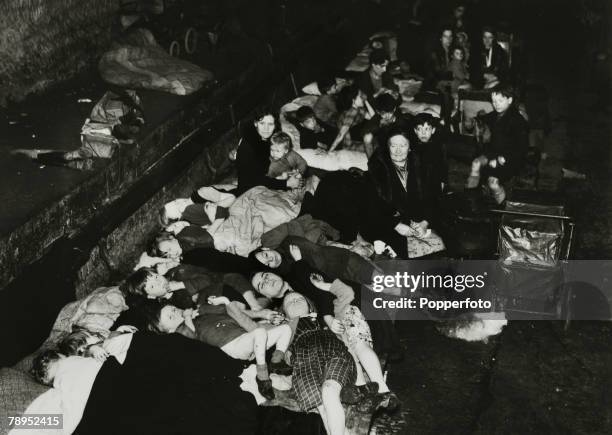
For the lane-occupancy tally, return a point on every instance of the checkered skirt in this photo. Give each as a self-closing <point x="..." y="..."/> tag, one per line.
<point x="318" y="356"/>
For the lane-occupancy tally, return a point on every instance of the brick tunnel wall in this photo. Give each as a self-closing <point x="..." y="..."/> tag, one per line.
<point x="43" y="42"/>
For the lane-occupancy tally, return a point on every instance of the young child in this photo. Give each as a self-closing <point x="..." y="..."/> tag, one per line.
<point x="431" y="152"/>
<point x="226" y="325"/>
<point x="313" y="134"/>
<point x="458" y="67"/>
<point x="283" y="160"/>
<point x="325" y="107"/>
<point x="81" y="343"/>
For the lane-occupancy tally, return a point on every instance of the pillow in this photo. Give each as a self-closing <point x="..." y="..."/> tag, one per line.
<point x="17" y="391"/>
<point x="311" y="89"/>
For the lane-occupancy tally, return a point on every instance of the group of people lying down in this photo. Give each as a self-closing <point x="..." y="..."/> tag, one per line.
<point x="272" y="271"/>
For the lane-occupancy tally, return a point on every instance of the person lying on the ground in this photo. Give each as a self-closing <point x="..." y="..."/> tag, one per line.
<point x="332" y="261"/>
<point x="147" y="283"/>
<point x="314" y="134"/>
<point x="322" y="364"/>
<point x="252" y="214"/>
<point x="314" y="230"/>
<point x="225" y="325"/>
<point x="284" y="161"/>
<point x="335" y="302"/>
<point x="388" y="117"/>
<point x="203" y="208"/>
<point x="82" y="342"/>
<point x="87" y="391"/>
<point x="507" y="139"/>
<point x="354" y="110"/>
<point x="376" y="79"/>
<point x="253" y="156"/>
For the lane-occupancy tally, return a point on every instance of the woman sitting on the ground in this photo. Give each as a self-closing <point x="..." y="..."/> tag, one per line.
<point x="354" y="110"/>
<point x="225" y="325"/>
<point x="253" y="156"/>
<point x="396" y="175"/>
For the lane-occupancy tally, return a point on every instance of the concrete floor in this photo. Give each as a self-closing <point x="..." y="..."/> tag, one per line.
<point x="534" y="377"/>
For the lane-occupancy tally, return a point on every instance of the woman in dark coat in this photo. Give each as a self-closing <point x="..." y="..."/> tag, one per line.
<point x="396" y="176"/>
<point x="253" y="156"/>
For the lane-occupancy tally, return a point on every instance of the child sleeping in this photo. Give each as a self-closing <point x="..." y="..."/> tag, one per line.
<point x="228" y="326"/>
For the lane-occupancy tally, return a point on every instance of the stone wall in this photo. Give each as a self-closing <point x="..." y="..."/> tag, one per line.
<point x="43" y="42"/>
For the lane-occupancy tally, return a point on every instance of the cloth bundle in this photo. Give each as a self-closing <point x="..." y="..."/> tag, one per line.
<point x="140" y="63"/>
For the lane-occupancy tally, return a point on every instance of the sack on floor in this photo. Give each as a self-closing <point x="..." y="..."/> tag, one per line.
<point x="139" y="63"/>
<point x="421" y="246"/>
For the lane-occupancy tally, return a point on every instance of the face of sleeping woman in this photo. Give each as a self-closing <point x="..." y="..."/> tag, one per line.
<point x="156" y="286"/>
<point x="398" y="149"/>
<point x="269" y="257"/>
<point x="170" y="318"/>
<point x="265" y="126"/>
<point x="295" y="305"/>
<point x="269" y="285"/>
<point x="170" y="248"/>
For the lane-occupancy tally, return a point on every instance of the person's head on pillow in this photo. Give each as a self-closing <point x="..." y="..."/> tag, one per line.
<point x="165" y="245"/>
<point x="78" y="342"/>
<point x="270" y="285"/>
<point x="45" y="365"/>
<point x="296" y="305"/>
<point x="280" y="145"/>
<point x="502" y="97"/>
<point x="385" y="106"/>
<point x="305" y="116"/>
<point x="161" y="317"/>
<point x="379" y="60"/>
<point x="424" y="126"/>
<point x="145" y="283"/>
